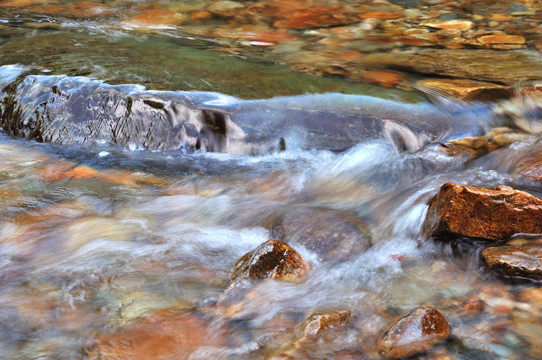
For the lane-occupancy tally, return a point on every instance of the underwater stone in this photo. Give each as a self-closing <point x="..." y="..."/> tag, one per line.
<point x="516" y="260"/>
<point x="416" y="332"/>
<point x="463" y="210"/>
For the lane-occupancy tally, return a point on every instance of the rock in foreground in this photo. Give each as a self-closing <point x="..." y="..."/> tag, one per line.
<point x="463" y="210"/>
<point x="273" y="259"/>
<point x="416" y="332"/>
<point x="167" y="334"/>
<point x="516" y="260"/>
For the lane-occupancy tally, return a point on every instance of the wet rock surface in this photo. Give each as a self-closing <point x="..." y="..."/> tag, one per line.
<point x="463" y="210"/>
<point x="273" y="259"/>
<point x="166" y="334"/>
<point x="524" y="260"/>
<point x="416" y="332"/>
<point x="332" y="235"/>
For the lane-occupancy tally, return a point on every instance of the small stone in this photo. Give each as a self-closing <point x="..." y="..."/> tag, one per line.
<point x="201" y="15"/>
<point x="501" y="39"/>
<point x="469" y="90"/>
<point x="225" y="8"/>
<point x="463" y="210"/>
<point x="273" y="259"/>
<point x="462" y="25"/>
<point x="519" y="260"/>
<point x="316" y="17"/>
<point x="386" y="79"/>
<point x="321" y="321"/>
<point x="156" y="17"/>
<point x="382" y="15"/>
<point x="416" y="332"/>
<point x="531" y="296"/>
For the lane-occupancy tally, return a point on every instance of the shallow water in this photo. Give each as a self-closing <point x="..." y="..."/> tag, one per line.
<point x="95" y="237"/>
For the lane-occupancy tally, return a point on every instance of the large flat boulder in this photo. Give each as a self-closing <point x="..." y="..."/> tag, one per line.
<point x="492" y="214"/>
<point x="523" y="260"/>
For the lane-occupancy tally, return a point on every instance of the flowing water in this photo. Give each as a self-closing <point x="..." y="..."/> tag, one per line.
<point x="97" y="236"/>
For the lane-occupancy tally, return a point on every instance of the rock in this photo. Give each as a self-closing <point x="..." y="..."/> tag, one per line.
<point x="382" y="15"/>
<point x="167" y="334"/>
<point x="225" y="8"/>
<point x="273" y="259"/>
<point x="462" y="25"/>
<point x="156" y="17"/>
<point x="506" y="67"/>
<point x="501" y="39"/>
<point x="317" y="17"/>
<point x="463" y="210"/>
<point x="416" y="332"/>
<point x="321" y="321"/>
<point x="516" y="260"/>
<point x="333" y="235"/>
<point x="493" y="140"/>
<point x="531" y="167"/>
<point x="383" y="78"/>
<point x="468" y="90"/>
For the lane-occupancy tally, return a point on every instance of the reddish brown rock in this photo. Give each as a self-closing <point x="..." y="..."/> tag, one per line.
<point x="516" y="260"/>
<point x="501" y="39"/>
<point x="416" y="332"/>
<point x="462" y="25"/>
<point x="382" y="15"/>
<point x="167" y="334"/>
<point x="316" y="17"/>
<point x="383" y="78"/>
<point x="493" y="140"/>
<point x="156" y="17"/>
<point x="462" y="210"/>
<point x="531" y="167"/>
<point x="273" y="259"/>
<point x="321" y="321"/>
<point x="469" y="90"/>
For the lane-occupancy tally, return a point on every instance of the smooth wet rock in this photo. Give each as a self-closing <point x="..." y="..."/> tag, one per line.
<point x="468" y="90"/>
<point x="167" y="334"/>
<point x="507" y="67"/>
<point x="416" y="332"/>
<point x="320" y="321"/>
<point x="516" y="260"/>
<point x="273" y="259"/>
<point x="331" y="234"/>
<point x="493" y="140"/>
<point x="531" y="167"/>
<point x="492" y="214"/>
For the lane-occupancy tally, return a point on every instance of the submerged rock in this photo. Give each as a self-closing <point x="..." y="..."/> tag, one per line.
<point x="507" y="67"/>
<point x="492" y="140"/>
<point x="167" y="334"/>
<point x="469" y="90"/>
<point x="331" y="234"/>
<point x="273" y="259"/>
<point x="463" y="210"/>
<point x="416" y="332"/>
<point x="516" y="260"/>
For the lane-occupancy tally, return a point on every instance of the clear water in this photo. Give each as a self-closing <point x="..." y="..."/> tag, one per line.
<point x="83" y="255"/>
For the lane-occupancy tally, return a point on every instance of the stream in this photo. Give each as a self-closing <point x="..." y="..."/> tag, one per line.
<point x="99" y="232"/>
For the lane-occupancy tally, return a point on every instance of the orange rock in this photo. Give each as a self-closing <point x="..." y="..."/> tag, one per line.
<point x="316" y="17"/>
<point x="383" y="78"/>
<point x="416" y="332"/>
<point x="167" y="334"/>
<point x="156" y="17"/>
<point x="462" y="210"/>
<point x="470" y="90"/>
<point x="501" y="39"/>
<point x="80" y="172"/>
<point x="538" y="45"/>
<point x="347" y="55"/>
<point x="200" y="15"/>
<point x="382" y="15"/>
<point x="321" y="321"/>
<point x="516" y="260"/>
<point x="462" y="25"/>
<point x="17" y="3"/>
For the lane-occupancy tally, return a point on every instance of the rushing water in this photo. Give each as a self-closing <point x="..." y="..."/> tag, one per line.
<point x="95" y="236"/>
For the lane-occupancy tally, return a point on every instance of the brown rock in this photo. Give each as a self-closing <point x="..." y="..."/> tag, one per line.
<point x="531" y="167"/>
<point x="331" y="234"/>
<point x="501" y="39"/>
<point x="493" y="140"/>
<point x="506" y="67"/>
<point x="382" y="15"/>
<point x="201" y="15"/>
<point x="469" y="90"/>
<point x="321" y="321"/>
<point x="273" y="259"/>
<point x="383" y="78"/>
<point x="462" y="210"/>
<point x="416" y="332"/>
<point x="167" y="334"/>
<point x="516" y="260"/>
<point x="225" y="8"/>
<point x="156" y="17"/>
<point x="462" y="25"/>
<point x="316" y="17"/>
